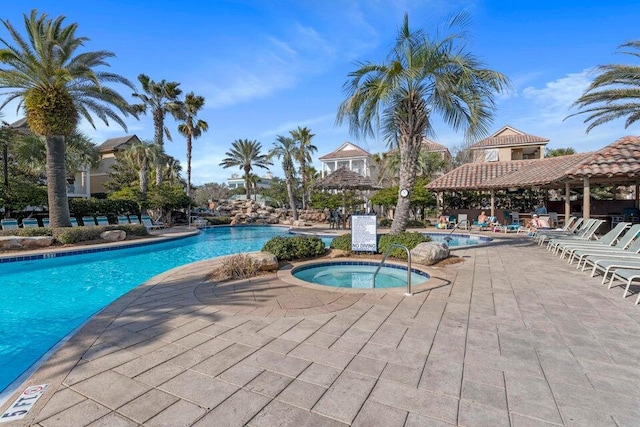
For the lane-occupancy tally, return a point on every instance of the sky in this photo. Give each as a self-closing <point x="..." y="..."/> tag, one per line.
<point x="266" y="67"/>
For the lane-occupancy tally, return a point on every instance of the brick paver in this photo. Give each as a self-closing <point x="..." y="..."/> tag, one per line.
<point x="511" y="336"/>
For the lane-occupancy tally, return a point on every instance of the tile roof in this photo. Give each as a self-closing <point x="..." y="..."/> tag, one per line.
<point x="539" y="172"/>
<point x="516" y="138"/>
<point x="349" y="152"/>
<point x="115" y="143"/>
<point x="620" y="159"/>
<point x="429" y="145"/>
<point x="473" y="175"/>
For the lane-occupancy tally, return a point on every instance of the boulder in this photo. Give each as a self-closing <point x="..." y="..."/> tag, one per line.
<point x="337" y="253"/>
<point x="113" y="235"/>
<point x="428" y="253"/>
<point x="265" y="261"/>
<point x="9" y="243"/>
<point x="36" y="242"/>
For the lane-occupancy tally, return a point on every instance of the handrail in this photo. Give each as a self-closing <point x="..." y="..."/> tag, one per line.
<point x="458" y="226"/>
<point x="396" y="245"/>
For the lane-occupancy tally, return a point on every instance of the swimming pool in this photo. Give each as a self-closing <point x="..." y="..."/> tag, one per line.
<point x="458" y="240"/>
<point x="357" y="274"/>
<point x="41" y="301"/>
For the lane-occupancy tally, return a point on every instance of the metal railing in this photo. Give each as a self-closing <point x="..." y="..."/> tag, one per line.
<point x="396" y="245"/>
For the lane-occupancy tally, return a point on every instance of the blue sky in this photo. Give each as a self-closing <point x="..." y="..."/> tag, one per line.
<point x="266" y="67"/>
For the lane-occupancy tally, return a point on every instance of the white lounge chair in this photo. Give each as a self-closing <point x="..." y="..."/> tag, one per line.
<point x="30" y="223"/>
<point x="622" y="244"/>
<point x="9" y="224"/>
<point x="146" y="221"/>
<point x="607" y="240"/>
<point x="102" y="220"/>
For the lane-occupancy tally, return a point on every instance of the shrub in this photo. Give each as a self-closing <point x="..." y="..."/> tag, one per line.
<point x="415" y="223"/>
<point x="27" y="232"/>
<point x="410" y="240"/>
<point x="237" y="266"/>
<point x="296" y="247"/>
<point x="342" y="242"/>
<point x="386" y="222"/>
<point x="70" y="235"/>
<point x="218" y="220"/>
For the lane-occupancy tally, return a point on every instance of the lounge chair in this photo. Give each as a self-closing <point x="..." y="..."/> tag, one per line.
<point x="612" y="259"/>
<point x="123" y="220"/>
<point x="74" y="222"/>
<point x="607" y="240"/>
<point x="585" y="233"/>
<point x="146" y="221"/>
<point x="629" y="275"/>
<point x="88" y="221"/>
<point x="45" y="222"/>
<point x="9" y="224"/>
<point x="463" y="221"/>
<point x="569" y="228"/>
<point x="102" y="220"/>
<point x="622" y="244"/>
<point x="30" y="223"/>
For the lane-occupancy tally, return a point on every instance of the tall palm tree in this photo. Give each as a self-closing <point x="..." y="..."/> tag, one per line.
<point x="141" y="155"/>
<point x="161" y="98"/>
<point x="56" y="86"/>
<point x="429" y="164"/>
<point x="420" y="77"/>
<point x="303" y="137"/>
<point x="192" y="127"/>
<point x="245" y="154"/>
<point x="614" y="93"/>
<point x="286" y="149"/>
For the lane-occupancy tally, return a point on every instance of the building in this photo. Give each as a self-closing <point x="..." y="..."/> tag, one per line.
<point x="353" y="158"/>
<point x="509" y="144"/>
<point x="108" y="149"/>
<point x="237" y="181"/>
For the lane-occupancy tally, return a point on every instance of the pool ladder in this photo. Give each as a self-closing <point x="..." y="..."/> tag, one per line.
<point x="397" y="245"/>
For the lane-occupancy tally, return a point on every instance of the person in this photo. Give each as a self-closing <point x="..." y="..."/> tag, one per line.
<point x="536" y="224"/>
<point x="541" y="209"/>
<point x="483" y="219"/>
<point x="443" y="222"/>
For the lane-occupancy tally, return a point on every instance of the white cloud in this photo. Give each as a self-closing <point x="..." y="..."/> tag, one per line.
<point x="560" y="94"/>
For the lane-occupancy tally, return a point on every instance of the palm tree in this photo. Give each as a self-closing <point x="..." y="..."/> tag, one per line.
<point x="614" y="93"/>
<point x="56" y="87"/>
<point x="286" y="149"/>
<point x="245" y="154"/>
<point x="429" y="164"/>
<point x="141" y="155"/>
<point x="191" y="128"/>
<point x="161" y="98"/>
<point x="420" y="77"/>
<point x="303" y="137"/>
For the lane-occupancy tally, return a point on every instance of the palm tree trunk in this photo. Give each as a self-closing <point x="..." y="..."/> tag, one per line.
<point x="408" y="150"/>
<point x="189" y="148"/>
<point x="292" y="200"/>
<point x="303" y="177"/>
<point x="158" y="123"/>
<point x="144" y="188"/>
<point x="247" y="182"/>
<point x="57" y="182"/>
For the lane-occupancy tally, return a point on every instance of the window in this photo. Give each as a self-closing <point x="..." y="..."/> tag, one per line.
<point x="491" y="155"/>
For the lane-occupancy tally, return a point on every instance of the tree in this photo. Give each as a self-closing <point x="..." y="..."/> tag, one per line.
<point x="211" y="191"/>
<point x="56" y="87"/>
<point x="141" y="155"/>
<point x="303" y="137"/>
<point x="192" y="127"/>
<point x="614" y="93"/>
<point x="557" y="152"/>
<point x="429" y="164"/>
<point x="286" y="149"/>
<point x="245" y="154"/>
<point x="161" y="98"/>
<point x="419" y="78"/>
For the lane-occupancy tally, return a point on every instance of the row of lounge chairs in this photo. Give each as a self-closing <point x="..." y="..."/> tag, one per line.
<point x="615" y="255"/>
<point x="87" y="221"/>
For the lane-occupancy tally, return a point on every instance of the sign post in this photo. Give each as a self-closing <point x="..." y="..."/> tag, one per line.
<point x="364" y="233"/>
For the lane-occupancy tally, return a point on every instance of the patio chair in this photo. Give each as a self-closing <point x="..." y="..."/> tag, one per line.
<point x="146" y="221"/>
<point x="622" y="244"/>
<point x="333" y="219"/>
<point x="123" y="220"/>
<point x="452" y="221"/>
<point x="102" y="220"/>
<point x="586" y="232"/>
<point x="612" y="259"/>
<point x="88" y="221"/>
<point x="570" y="228"/>
<point x="9" y="224"/>
<point x="629" y="275"/>
<point x="30" y="223"/>
<point x="463" y="221"/>
<point x="45" y="221"/>
<point x="74" y="222"/>
<point x="609" y="239"/>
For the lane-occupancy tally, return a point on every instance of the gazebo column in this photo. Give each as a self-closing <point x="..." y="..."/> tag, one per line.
<point x="567" y="202"/>
<point x="586" y="200"/>
<point x="493" y="202"/>
<point x="439" y="209"/>
<point x="637" y="195"/>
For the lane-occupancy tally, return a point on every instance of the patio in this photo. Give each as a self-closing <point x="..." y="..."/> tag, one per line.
<point x="517" y="338"/>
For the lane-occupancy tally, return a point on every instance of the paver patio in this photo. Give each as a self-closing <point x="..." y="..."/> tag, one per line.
<point x="516" y="337"/>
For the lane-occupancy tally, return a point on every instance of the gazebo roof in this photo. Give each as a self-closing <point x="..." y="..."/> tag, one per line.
<point x="620" y="159"/>
<point x="474" y="175"/>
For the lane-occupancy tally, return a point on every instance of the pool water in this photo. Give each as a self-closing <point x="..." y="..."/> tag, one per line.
<point x="41" y="301"/>
<point x="458" y="240"/>
<point x="357" y="275"/>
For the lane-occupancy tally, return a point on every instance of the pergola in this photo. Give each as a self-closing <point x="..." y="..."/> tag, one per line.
<point x="615" y="164"/>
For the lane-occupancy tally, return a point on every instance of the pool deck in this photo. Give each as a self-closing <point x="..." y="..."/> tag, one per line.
<point x="512" y="336"/>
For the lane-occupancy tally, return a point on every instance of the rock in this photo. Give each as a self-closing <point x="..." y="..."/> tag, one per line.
<point x="9" y="243"/>
<point x="113" y="235"/>
<point x="265" y="261"/>
<point x="337" y="253"/>
<point x="36" y="242"/>
<point x="429" y="253"/>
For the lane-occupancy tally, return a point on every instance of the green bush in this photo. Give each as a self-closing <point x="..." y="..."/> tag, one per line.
<point x="27" y="232"/>
<point x="342" y="242"/>
<point x="415" y="223"/>
<point x="296" y="247"/>
<point x="410" y="240"/>
<point x="218" y="220"/>
<point x="70" y="235"/>
<point x="386" y="222"/>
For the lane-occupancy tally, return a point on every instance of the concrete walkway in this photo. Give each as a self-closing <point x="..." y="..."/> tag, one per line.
<point x="515" y="337"/>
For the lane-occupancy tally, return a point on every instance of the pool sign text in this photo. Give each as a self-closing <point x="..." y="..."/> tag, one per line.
<point x="24" y="403"/>
<point x="364" y="233"/>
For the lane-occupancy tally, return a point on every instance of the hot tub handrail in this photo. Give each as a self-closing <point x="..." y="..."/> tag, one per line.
<point x="464" y="221"/>
<point x="396" y="245"/>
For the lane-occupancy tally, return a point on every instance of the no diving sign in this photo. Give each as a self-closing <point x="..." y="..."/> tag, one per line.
<point x="24" y="403"/>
